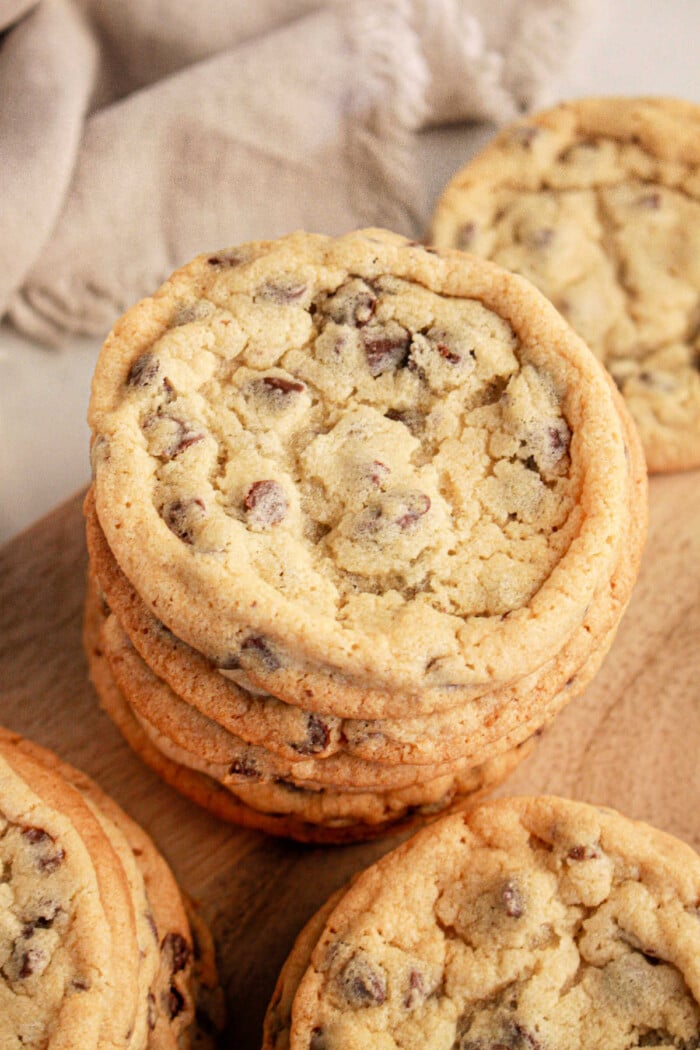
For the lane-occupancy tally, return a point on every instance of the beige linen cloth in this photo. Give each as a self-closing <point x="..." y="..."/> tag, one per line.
<point x="136" y="133"/>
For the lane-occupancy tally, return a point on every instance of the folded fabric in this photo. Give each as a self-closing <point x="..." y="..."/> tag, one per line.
<point x="135" y="133"/>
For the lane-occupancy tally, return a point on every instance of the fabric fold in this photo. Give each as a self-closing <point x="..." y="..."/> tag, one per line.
<point x="247" y="123"/>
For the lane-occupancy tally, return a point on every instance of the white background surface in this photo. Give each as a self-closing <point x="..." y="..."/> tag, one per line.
<point x="635" y="47"/>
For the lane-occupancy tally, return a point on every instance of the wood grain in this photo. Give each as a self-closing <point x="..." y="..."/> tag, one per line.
<point x="632" y="741"/>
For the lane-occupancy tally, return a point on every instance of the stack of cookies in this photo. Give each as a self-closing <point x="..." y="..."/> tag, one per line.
<point x="364" y="517"/>
<point x="96" y="944"/>
<point x="533" y="923"/>
<point x="597" y="202"/>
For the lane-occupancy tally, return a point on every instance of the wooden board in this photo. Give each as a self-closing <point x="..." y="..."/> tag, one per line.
<point x="633" y="740"/>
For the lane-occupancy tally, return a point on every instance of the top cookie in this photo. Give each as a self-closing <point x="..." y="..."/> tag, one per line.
<point x="597" y="202"/>
<point x="530" y="924"/>
<point x="368" y="457"/>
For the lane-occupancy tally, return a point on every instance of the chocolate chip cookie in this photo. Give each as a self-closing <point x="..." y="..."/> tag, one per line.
<point x="597" y="202"/>
<point x="529" y="924"/>
<point x="95" y="940"/>
<point x="360" y="457"/>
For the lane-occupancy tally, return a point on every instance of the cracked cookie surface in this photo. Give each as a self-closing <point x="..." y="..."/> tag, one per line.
<point x="597" y="202"/>
<point x="529" y="924"/>
<point x="356" y="453"/>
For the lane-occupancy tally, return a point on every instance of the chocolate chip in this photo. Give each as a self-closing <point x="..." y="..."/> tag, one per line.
<point x="36" y="835"/>
<point x="182" y="517"/>
<point x="386" y="349"/>
<point x="317" y="736"/>
<point x="527" y="1038"/>
<point x="143" y="371"/>
<point x="245" y="768"/>
<point x="42" y="920"/>
<point x="170" y="435"/>
<point x="282" y="291"/>
<point x="416" y="505"/>
<point x="361" y="984"/>
<point x="465" y="234"/>
<point x="416" y="992"/>
<point x="353" y="303"/>
<point x="662" y="1037"/>
<point x="559" y="439"/>
<point x="262" y="652"/>
<point x="318" y="1039"/>
<point x="31" y="961"/>
<point x="173" y="1002"/>
<point x="80" y="984"/>
<point x="284" y="386"/>
<point x="176" y="950"/>
<point x="512" y="899"/>
<point x="583" y="853"/>
<point x="378" y="472"/>
<point x="50" y="856"/>
<point x="449" y="355"/>
<point x="266" y="503"/>
<point x="225" y="259"/>
<point x="411" y="419"/>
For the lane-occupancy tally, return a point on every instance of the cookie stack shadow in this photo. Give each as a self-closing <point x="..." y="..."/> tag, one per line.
<point x="265" y="733"/>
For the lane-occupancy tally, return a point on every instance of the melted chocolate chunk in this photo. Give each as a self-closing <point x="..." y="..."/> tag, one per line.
<point x="284" y="291"/>
<point x="317" y="736"/>
<point x="416" y="992"/>
<point x="182" y="517"/>
<point x="171" y="435"/>
<point x="361" y="984"/>
<point x="416" y="505"/>
<point x="36" y="835"/>
<point x="378" y="472"/>
<point x="559" y="439"/>
<point x="143" y="371"/>
<point x="386" y="349"/>
<point x="266" y="503"/>
<point x="173" y="1002"/>
<point x="245" y="768"/>
<point x="512" y="899"/>
<point x="318" y="1039"/>
<point x="176" y="949"/>
<point x="410" y="417"/>
<point x="354" y="303"/>
<point x="225" y="259"/>
<point x="31" y="961"/>
<point x="49" y="856"/>
<point x="262" y="652"/>
<point x="42" y="920"/>
<point x="277" y="384"/>
<point x="583" y="853"/>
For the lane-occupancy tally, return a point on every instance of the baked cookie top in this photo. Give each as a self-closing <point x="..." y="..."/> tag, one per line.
<point x="399" y="464"/>
<point x="597" y="202"/>
<point x="530" y="924"/>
